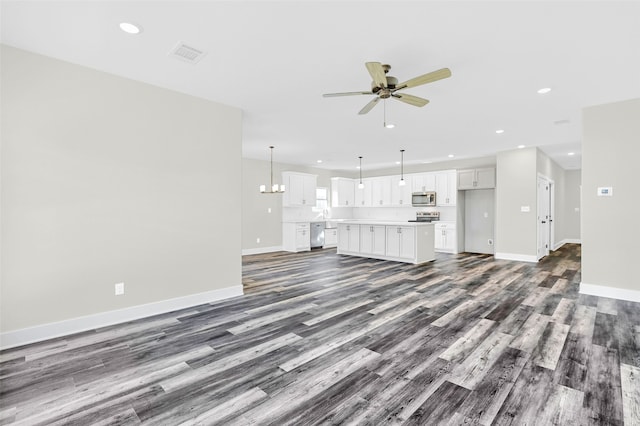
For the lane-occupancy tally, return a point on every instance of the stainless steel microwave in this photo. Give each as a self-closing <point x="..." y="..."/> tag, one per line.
<point x="422" y="199"/>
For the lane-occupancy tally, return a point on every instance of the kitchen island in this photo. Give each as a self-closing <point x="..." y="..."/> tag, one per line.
<point x="410" y="242"/>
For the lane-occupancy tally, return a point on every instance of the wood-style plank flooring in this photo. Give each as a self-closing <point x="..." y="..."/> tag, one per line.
<point x="320" y="338"/>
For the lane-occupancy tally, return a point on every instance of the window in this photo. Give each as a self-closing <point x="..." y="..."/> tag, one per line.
<point x="321" y="198"/>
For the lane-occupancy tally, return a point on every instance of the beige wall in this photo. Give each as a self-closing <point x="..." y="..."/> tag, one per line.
<point x="573" y="182"/>
<point x="516" y="176"/>
<point x="610" y="152"/>
<point x="108" y="180"/>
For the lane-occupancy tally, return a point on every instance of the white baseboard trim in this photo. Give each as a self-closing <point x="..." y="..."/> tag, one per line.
<point x="42" y="332"/>
<point x="515" y="256"/>
<point x="260" y="250"/>
<point x="567" y="241"/>
<point x="611" y="292"/>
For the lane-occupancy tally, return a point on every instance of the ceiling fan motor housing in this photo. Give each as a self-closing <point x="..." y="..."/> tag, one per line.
<point x="392" y="82"/>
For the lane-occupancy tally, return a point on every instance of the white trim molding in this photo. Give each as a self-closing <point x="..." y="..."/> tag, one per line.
<point x="610" y="292"/>
<point x="567" y="241"/>
<point x="260" y="250"/>
<point x="42" y="332"/>
<point x="517" y="257"/>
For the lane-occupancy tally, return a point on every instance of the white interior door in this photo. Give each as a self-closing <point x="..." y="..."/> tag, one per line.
<point x="543" y="217"/>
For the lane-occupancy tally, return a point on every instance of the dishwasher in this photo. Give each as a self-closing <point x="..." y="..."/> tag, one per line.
<point x="317" y="234"/>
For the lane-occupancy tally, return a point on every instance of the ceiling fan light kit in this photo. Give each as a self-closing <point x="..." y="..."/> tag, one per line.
<point x="274" y="188"/>
<point x="385" y="86"/>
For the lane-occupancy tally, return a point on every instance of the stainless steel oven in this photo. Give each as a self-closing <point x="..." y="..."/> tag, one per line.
<point x="423" y="199"/>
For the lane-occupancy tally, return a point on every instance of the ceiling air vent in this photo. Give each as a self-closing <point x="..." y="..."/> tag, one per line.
<point x="187" y="53"/>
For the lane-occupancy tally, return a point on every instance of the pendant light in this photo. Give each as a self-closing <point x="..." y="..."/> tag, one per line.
<point x="274" y="188"/>
<point x="384" y="121"/>
<point x="360" y="185"/>
<point x="402" y="181"/>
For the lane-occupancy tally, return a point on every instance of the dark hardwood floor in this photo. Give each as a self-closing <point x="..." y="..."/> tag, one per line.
<point x="325" y="339"/>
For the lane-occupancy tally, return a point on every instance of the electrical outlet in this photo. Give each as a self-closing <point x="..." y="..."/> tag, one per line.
<point x="119" y="289"/>
<point x="490" y="241"/>
<point x="258" y="240"/>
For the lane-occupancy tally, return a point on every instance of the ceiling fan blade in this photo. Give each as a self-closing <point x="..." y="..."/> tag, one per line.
<point x="410" y="99"/>
<point x="368" y="107"/>
<point x="426" y="78"/>
<point x="377" y="73"/>
<point x="331" y="95"/>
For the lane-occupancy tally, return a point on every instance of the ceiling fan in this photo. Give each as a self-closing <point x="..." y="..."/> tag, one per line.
<point x="385" y="86"/>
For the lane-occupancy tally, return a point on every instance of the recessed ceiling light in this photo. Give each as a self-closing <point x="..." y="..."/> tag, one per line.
<point x="450" y="155"/>
<point x="389" y="126"/>
<point x="318" y="161"/>
<point x="130" y="28"/>
<point x="571" y="153"/>
<point x="397" y="162"/>
<point x="357" y="167"/>
<point x="521" y="146"/>
<point x="544" y="90"/>
<point x="499" y="131"/>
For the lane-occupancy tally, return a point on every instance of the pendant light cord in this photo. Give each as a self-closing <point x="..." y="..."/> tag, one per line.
<point x="271" y="150"/>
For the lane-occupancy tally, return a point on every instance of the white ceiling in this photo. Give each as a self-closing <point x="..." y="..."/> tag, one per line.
<point x="275" y="60"/>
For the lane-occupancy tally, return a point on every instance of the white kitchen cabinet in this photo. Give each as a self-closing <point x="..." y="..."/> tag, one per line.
<point x="381" y="191"/>
<point x="445" y="238"/>
<point x="342" y="192"/>
<point x="363" y="196"/>
<point x="484" y="178"/>
<point x="330" y="237"/>
<point x="300" y="189"/>
<point x="397" y="241"/>
<point x="423" y="182"/>
<point x="372" y="239"/>
<point x="446" y="188"/>
<point x="401" y="241"/>
<point x="348" y="238"/>
<point x="400" y="195"/>
<point x="296" y="236"/>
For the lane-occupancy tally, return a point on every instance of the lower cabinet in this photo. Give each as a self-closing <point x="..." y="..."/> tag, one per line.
<point x="401" y="242"/>
<point x="348" y="238"/>
<point x="411" y="244"/>
<point x="296" y="236"/>
<point x="330" y="237"/>
<point x="372" y="239"/>
<point x="445" y="238"/>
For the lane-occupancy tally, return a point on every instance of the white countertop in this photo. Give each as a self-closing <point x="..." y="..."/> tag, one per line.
<point x="385" y="222"/>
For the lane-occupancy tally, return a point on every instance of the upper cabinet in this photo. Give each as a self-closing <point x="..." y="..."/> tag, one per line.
<point x="423" y="182"/>
<point x="400" y="195"/>
<point x="484" y="178"/>
<point x="381" y="191"/>
<point x="342" y="192"/>
<point x="363" y="196"/>
<point x="300" y="189"/>
<point x="446" y="188"/>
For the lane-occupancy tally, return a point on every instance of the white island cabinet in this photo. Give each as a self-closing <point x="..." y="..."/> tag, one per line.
<point x="410" y="242"/>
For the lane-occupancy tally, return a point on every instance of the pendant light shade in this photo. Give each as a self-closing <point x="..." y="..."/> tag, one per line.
<point x="274" y="188"/>
<point x="402" y="181"/>
<point x="360" y="185"/>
